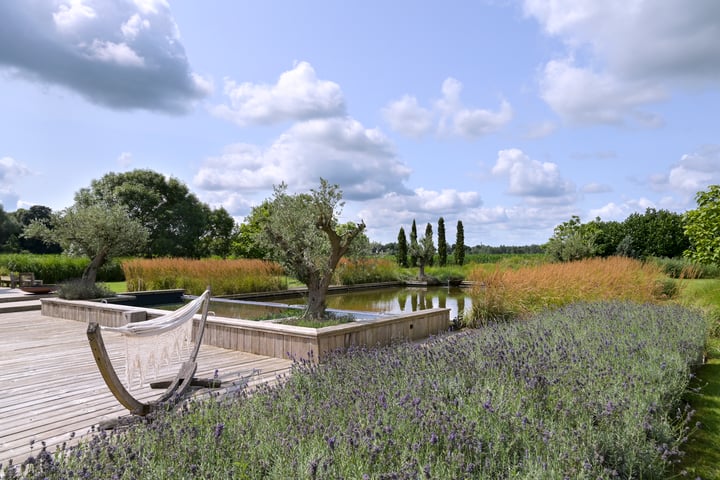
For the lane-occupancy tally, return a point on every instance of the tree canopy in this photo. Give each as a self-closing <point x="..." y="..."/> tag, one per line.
<point x="302" y="233"/>
<point x="702" y="226"/>
<point x="175" y="219"/>
<point x="96" y="231"/>
<point x="424" y="250"/>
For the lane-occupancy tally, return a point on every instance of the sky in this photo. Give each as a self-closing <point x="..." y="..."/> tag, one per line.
<point x="510" y="116"/>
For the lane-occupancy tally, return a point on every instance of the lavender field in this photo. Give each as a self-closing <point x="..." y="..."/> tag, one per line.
<point x="592" y="390"/>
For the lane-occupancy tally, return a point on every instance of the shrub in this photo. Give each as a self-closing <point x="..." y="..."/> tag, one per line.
<point x="225" y="277"/>
<point x="57" y="268"/>
<point x="81" y="290"/>
<point x="685" y="268"/>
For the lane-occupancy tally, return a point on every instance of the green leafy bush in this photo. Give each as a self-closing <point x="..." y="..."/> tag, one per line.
<point x="686" y="268"/>
<point x="82" y="290"/>
<point x="57" y="268"/>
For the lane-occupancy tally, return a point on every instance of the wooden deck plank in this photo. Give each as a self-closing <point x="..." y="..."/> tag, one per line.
<point x="52" y="392"/>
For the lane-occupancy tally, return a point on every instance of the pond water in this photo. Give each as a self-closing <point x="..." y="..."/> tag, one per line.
<point x="384" y="300"/>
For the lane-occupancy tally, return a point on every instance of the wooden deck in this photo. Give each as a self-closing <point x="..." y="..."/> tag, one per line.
<point x="52" y="392"/>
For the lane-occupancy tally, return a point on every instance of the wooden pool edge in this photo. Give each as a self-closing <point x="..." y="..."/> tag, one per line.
<point x="266" y="338"/>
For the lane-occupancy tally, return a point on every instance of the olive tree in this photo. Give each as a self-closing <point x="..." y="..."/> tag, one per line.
<point x="96" y="231"/>
<point x="302" y="233"/>
<point x="702" y="226"/>
<point x="424" y="251"/>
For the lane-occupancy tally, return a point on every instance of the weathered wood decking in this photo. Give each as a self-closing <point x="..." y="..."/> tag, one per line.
<point x="51" y="390"/>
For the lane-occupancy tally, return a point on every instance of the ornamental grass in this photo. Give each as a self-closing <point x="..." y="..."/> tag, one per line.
<point x="593" y="390"/>
<point x="225" y="277"/>
<point x="365" y="270"/>
<point x="503" y="294"/>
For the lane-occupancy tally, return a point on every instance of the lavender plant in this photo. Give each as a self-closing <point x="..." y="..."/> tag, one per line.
<point x="593" y="390"/>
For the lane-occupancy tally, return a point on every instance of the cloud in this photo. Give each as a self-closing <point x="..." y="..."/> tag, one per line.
<point x="541" y="130"/>
<point x="390" y="211"/>
<point x="596" y="188"/>
<point x="10" y="171"/>
<point x="582" y="96"/>
<point x="693" y="173"/>
<point x="361" y="160"/>
<point x="125" y="159"/>
<point x="407" y="117"/>
<point x="297" y="95"/>
<point x="119" y="54"/>
<point x="536" y="182"/>
<point x="448" y="115"/>
<point x="622" y="56"/>
<point x="619" y="212"/>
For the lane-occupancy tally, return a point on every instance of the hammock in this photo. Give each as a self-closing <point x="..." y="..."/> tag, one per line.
<point x="148" y="344"/>
<point x="152" y="343"/>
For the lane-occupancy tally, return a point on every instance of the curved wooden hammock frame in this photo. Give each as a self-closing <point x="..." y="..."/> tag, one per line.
<point x="175" y="389"/>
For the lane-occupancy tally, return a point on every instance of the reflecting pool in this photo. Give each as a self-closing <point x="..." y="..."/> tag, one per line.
<point x="383" y="300"/>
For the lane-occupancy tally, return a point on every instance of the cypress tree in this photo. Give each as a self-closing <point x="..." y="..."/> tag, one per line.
<point x="442" y="243"/>
<point x="429" y="234"/>
<point x="459" y="251"/>
<point x="413" y="244"/>
<point x="402" y="250"/>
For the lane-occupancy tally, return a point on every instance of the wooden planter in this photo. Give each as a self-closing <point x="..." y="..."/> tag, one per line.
<point x="271" y="339"/>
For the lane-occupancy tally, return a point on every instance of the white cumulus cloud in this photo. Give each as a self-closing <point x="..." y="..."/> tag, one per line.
<point x="297" y="95"/>
<point x="694" y="172"/>
<point x="10" y="171"/>
<point x="360" y="160"/>
<point x="533" y="180"/>
<point x="625" y="56"/>
<point x="448" y="115"/>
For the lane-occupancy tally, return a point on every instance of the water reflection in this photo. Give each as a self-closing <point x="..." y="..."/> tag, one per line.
<point x="385" y="300"/>
<point x="400" y="300"/>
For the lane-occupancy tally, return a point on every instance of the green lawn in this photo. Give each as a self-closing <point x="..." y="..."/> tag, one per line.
<point x="117" y="287"/>
<point x="703" y="449"/>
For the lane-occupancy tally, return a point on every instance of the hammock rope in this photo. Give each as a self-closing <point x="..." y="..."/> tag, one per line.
<point x="151" y="344"/>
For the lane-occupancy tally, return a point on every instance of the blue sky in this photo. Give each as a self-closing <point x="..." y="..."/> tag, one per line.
<point x="510" y="116"/>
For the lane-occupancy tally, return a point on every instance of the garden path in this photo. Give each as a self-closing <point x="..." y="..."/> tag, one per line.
<point x="51" y="390"/>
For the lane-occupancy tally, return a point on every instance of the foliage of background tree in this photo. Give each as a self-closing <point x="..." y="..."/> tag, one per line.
<point x="218" y="236"/>
<point x="245" y="236"/>
<point x="424" y="251"/>
<point x="175" y="219"/>
<point x="702" y="226"/>
<point x="459" y="249"/>
<point x="442" y="243"/>
<point x="402" y="249"/>
<point x="572" y="240"/>
<point x="96" y="231"/>
<point x="35" y="245"/>
<point x="413" y="245"/>
<point x="655" y="233"/>
<point x="9" y="231"/>
<point x="608" y="236"/>
<point x="301" y="232"/>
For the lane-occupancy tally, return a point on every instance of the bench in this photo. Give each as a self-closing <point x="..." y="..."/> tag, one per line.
<point x="10" y="280"/>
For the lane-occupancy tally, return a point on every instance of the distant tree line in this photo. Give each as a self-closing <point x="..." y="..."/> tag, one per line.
<point x="655" y="233"/>
<point x="176" y="222"/>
